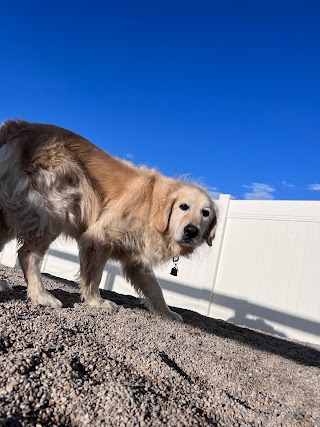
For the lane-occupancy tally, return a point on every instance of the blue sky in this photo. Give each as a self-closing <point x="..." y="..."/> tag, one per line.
<point x="226" y="91"/>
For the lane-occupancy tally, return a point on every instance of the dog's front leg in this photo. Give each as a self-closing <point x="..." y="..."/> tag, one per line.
<point x="93" y="259"/>
<point x="145" y="282"/>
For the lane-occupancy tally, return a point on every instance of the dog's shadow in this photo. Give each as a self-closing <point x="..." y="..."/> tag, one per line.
<point x="69" y="299"/>
<point x="17" y="292"/>
<point x="72" y="295"/>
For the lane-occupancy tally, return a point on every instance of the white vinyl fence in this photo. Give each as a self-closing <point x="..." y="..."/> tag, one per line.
<point x="263" y="270"/>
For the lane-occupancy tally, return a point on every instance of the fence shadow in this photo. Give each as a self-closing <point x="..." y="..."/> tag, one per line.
<point x="261" y="314"/>
<point x="243" y="308"/>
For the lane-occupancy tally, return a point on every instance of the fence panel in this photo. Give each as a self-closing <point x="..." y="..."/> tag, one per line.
<point x="269" y="270"/>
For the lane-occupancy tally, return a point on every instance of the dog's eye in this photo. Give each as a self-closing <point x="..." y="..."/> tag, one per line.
<point x="205" y="212"/>
<point x="184" y="207"/>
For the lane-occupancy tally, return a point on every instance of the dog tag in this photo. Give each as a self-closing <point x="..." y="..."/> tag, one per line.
<point x="174" y="271"/>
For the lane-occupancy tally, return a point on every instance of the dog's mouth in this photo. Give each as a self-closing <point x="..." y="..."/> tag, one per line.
<point x="186" y="243"/>
<point x="189" y="242"/>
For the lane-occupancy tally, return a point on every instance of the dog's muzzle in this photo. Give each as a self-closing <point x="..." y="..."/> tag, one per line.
<point x="190" y="235"/>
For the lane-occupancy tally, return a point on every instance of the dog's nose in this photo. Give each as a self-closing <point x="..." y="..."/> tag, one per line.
<point x="191" y="231"/>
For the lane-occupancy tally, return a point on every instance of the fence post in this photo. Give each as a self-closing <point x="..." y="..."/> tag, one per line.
<point x="223" y="208"/>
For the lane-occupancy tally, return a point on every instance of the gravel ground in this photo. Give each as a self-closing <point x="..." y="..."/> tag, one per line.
<point x="76" y="366"/>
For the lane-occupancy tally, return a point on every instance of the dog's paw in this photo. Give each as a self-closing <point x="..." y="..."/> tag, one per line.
<point x="110" y="306"/>
<point x="168" y="314"/>
<point x="46" y="299"/>
<point x="174" y="316"/>
<point x="164" y="311"/>
<point x="105" y="304"/>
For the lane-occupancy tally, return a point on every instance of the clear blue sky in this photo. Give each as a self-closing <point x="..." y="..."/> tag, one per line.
<point x="227" y="91"/>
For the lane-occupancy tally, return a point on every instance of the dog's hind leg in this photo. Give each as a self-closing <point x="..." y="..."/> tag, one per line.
<point x="145" y="282"/>
<point x="92" y="262"/>
<point x="30" y="258"/>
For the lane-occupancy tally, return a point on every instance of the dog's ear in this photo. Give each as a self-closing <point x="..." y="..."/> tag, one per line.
<point x="163" y="213"/>
<point x="209" y="236"/>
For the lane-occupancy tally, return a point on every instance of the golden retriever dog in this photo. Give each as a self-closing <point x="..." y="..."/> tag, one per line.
<point x="54" y="182"/>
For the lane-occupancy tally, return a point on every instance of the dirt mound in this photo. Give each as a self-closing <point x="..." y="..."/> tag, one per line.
<point x="77" y="366"/>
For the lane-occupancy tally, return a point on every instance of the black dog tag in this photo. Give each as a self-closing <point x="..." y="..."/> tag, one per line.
<point x="174" y="271"/>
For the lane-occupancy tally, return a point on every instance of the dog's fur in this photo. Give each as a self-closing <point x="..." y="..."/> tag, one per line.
<point x="54" y="182"/>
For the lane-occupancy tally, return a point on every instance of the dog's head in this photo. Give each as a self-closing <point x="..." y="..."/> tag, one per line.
<point x="189" y="215"/>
